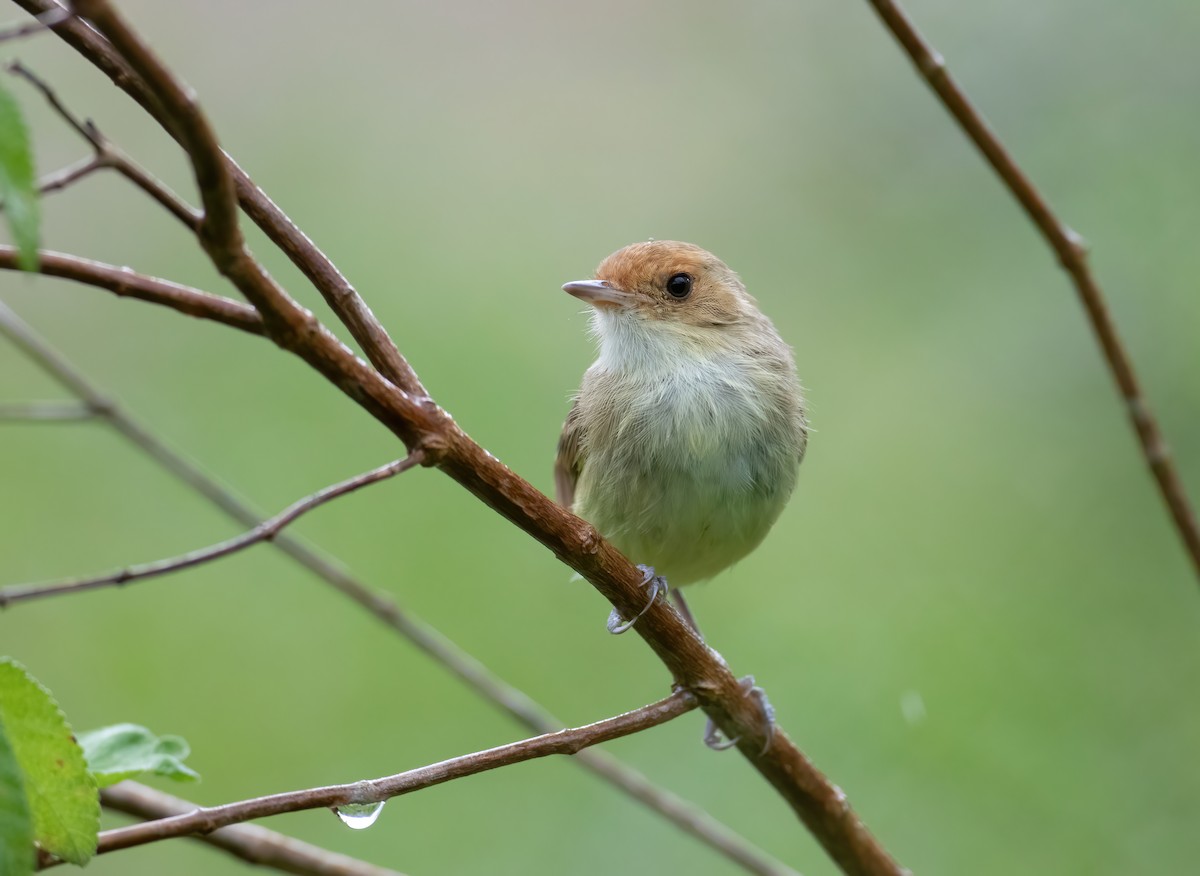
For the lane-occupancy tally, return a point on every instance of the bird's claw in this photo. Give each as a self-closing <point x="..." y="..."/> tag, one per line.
<point x="712" y="735"/>
<point x="656" y="584"/>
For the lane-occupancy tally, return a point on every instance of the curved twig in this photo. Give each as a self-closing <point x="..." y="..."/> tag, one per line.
<point x="264" y="531"/>
<point x="106" y="154"/>
<point x="249" y="842"/>
<point x="128" y="283"/>
<point x="570" y="741"/>
<point x="421" y="423"/>
<point x="1068" y="246"/>
<point x="337" y="291"/>
<point x="683" y="814"/>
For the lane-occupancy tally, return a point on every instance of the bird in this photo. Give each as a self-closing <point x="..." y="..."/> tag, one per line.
<point x="684" y="440"/>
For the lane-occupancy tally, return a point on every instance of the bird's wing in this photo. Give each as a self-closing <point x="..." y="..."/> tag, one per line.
<point x="569" y="461"/>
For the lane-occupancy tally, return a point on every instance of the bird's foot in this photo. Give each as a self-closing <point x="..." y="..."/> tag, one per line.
<point x="712" y="735"/>
<point x="656" y="584"/>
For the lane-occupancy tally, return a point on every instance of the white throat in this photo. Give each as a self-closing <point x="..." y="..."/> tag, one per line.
<point x="629" y="342"/>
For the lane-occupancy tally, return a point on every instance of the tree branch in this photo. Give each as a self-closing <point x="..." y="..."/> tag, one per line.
<point x="378" y="790"/>
<point x="337" y="291"/>
<point x="264" y="531"/>
<point x="68" y="176"/>
<point x="685" y="815"/>
<point x="1068" y="246"/>
<point x="250" y="842"/>
<point x="106" y="154"/>
<point x="421" y="423"/>
<point x="128" y="283"/>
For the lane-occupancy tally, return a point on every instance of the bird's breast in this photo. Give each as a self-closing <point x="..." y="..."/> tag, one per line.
<point x="686" y="470"/>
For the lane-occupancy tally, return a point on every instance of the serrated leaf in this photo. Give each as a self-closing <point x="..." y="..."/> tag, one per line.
<point x="17" y="187"/>
<point x="123" y="751"/>
<point x="62" y="794"/>
<point x="16" y="822"/>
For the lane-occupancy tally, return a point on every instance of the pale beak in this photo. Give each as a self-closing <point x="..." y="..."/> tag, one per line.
<point x="598" y="293"/>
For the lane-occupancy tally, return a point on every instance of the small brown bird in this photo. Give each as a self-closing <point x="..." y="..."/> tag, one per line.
<point x="684" y="440"/>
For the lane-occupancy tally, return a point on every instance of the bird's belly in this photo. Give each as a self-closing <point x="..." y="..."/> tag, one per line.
<point x="690" y="519"/>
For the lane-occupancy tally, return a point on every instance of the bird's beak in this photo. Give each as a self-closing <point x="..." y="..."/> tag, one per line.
<point x="598" y="293"/>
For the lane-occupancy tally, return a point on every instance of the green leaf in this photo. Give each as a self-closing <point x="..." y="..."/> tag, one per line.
<point x="123" y="751"/>
<point x="61" y="792"/>
<point x="16" y="821"/>
<point x="17" y="186"/>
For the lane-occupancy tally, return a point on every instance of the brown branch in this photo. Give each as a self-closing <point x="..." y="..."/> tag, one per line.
<point x="378" y="790"/>
<point x="1072" y="254"/>
<point x="106" y="155"/>
<point x="264" y="531"/>
<point x="46" y="412"/>
<point x="683" y="814"/>
<point x="250" y="842"/>
<point x="422" y="424"/>
<point x="69" y="175"/>
<point x="218" y="228"/>
<point x="128" y="283"/>
<point x="279" y="228"/>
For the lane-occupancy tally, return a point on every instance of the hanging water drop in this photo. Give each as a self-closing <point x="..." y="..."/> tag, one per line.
<point x="359" y="816"/>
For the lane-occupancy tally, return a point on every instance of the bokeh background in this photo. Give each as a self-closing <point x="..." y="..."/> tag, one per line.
<point x="973" y="615"/>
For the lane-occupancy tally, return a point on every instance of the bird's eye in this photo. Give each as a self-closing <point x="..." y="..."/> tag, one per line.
<point x="679" y="286"/>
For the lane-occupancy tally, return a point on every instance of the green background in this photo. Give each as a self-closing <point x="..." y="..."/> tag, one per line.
<point x="973" y="615"/>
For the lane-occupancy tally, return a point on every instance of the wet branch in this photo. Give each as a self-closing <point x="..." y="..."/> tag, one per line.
<point x="683" y="814"/>
<point x="423" y="425"/>
<point x="571" y="741"/>
<point x="249" y="842"/>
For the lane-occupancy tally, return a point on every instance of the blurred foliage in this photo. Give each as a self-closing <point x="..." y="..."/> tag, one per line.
<point x="974" y="615"/>
<point x="17" y="191"/>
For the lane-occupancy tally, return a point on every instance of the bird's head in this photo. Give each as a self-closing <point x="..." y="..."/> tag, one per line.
<point x="669" y="283"/>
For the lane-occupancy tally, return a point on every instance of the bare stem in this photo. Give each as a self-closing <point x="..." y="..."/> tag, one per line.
<point x="570" y="741"/>
<point x="106" y="155"/>
<point x="1072" y="254"/>
<point x="337" y="291"/>
<point x="128" y="283"/>
<point x="68" y="176"/>
<point x="264" y="531"/>
<point x="419" y="422"/>
<point x="249" y="842"/>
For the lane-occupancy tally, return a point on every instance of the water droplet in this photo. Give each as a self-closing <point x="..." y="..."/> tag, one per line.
<point x="359" y="816"/>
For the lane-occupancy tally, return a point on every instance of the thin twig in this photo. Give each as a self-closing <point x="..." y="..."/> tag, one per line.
<point x="128" y="283"/>
<point x="337" y="291"/>
<point x="46" y="412"/>
<point x="420" y="422"/>
<point x="69" y="175"/>
<point x="218" y="228"/>
<point x="107" y="154"/>
<point x="1072" y="254"/>
<point x="44" y="21"/>
<point x="685" y="815"/>
<point x="378" y="790"/>
<point x="264" y="531"/>
<point x="250" y="842"/>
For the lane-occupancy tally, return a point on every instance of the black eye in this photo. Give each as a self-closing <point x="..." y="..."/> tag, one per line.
<point x="679" y="286"/>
